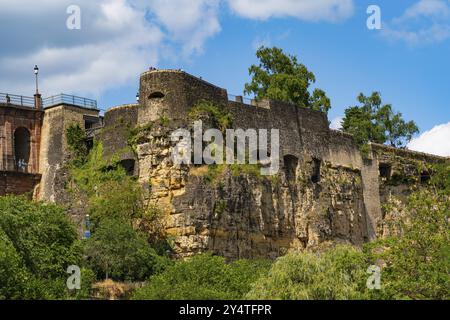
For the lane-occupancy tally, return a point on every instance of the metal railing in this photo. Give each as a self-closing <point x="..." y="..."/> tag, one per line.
<point x="71" y="100"/>
<point x="17" y="100"/>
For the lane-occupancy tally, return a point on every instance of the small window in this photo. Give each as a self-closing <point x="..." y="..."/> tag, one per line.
<point x="385" y="171"/>
<point x="156" y="95"/>
<point x="315" y="176"/>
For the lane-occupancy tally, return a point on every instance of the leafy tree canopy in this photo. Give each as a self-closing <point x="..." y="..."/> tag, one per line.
<point x="372" y="121"/>
<point x="117" y="251"/>
<point x="37" y="244"/>
<point x="203" y="277"/>
<point x="282" y="77"/>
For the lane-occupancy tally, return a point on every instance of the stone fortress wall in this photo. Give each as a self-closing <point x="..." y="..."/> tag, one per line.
<point x="325" y="190"/>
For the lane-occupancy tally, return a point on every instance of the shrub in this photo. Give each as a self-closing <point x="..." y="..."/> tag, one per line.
<point x="335" y="274"/>
<point x="203" y="277"/>
<point x="38" y="243"/>
<point x="117" y="251"/>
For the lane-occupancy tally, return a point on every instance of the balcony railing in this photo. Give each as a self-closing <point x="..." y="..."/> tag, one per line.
<point x="71" y="100"/>
<point x="17" y="100"/>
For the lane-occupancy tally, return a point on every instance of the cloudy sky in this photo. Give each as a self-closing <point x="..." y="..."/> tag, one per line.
<point x="407" y="60"/>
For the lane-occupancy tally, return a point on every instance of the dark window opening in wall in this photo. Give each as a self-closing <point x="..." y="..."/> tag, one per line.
<point x="156" y="95"/>
<point x="425" y="177"/>
<point x="385" y="171"/>
<point x="91" y="122"/>
<point x="22" y="148"/>
<point x="315" y="176"/>
<point x="128" y="165"/>
<point x="89" y="144"/>
<point x="88" y="124"/>
<point x="290" y="167"/>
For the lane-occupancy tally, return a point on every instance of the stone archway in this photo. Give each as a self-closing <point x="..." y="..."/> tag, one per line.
<point x="22" y="148"/>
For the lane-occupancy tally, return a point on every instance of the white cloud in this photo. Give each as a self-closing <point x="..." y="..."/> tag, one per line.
<point x="426" y="21"/>
<point x="336" y="123"/>
<point x="116" y="42"/>
<point x="190" y="22"/>
<point x="121" y="38"/>
<point x="435" y="141"/>
<point x="308" y="10"/>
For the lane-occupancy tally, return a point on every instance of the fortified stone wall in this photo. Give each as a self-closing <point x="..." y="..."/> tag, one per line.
<point x="317" y="195"/>
<point x="325" y="190"/>
<point x="54" y="149"/>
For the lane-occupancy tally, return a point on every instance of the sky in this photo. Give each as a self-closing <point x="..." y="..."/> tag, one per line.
<point x="407" y="60"/>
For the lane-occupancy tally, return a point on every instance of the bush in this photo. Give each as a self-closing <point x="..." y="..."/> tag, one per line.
<point x="38" y="243"/>
<point x="117" y="251"/>
<point x="335" y="274"/>
<point x="203" y="277"/>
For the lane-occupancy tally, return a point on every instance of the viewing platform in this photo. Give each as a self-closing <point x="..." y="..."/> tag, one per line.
<point x="29" y="102"/>
<point x="69" y="100"/>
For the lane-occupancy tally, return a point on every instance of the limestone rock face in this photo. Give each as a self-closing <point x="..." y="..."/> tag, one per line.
<point x="243" y="215"/>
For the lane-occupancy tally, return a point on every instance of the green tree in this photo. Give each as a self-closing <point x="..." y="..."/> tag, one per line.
<point x="76" y="140"/>
<point x="117" y="251"/>
<point x="282" y="77"/>
<point x="417" y="260"/>
<point x="113" y="195"/>
<point x="203" y="277"/>
<point x="373" y="122"/>
<point x="38" y="243"/>
<point x="333" y="274"/>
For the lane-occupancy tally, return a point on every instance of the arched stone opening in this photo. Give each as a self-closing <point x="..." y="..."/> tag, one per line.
<point x="22" y="148"/>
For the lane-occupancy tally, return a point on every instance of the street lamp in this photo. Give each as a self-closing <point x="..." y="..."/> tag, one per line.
<point x="137" y="97"/>
<point x="37" y="96"/>
<point x="36" y="72"/>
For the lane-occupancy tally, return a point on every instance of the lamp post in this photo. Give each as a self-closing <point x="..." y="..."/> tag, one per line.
<point x="37" y="96"/>
<point x="36" y="72"/>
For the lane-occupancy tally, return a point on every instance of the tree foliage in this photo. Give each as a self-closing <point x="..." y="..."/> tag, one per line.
<point x="38" y="243"/>
<point x="118" y="252"/>
<point x="335" y="274"/>
<point x="373" y="122"/>
<point x="76" y="137"/>
<point x="203" y="277"/>
<point x="281" y="77"/>
<point x="113" y="195"/>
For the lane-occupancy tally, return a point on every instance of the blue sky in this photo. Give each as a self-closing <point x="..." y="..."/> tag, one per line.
<point x="407" y="60"/>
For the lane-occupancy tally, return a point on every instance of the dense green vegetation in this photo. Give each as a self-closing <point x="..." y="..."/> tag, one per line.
<point x="206" y="110"/>
<point x="37" y="244"/>
<point x="374" y="122"/>
<point x="203" y="277"/>
<point x="281" y="77"/>
<point x="128" y="241"/>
